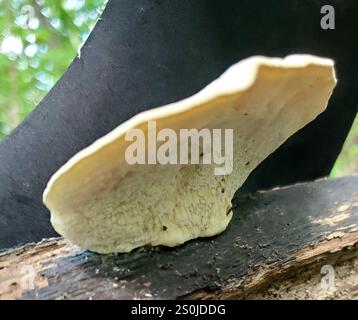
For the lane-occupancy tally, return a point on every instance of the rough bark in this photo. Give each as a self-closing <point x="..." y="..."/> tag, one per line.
<point x="275" y="247"/>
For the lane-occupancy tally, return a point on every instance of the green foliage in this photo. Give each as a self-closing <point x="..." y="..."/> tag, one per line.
<point x="347" y="163"/>
<point x="38" y="40"/>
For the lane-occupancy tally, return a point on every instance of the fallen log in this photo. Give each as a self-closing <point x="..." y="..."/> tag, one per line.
<point x="275" y="247"/>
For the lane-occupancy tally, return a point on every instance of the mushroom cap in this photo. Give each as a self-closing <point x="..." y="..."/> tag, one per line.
<point x="102" y="203"/>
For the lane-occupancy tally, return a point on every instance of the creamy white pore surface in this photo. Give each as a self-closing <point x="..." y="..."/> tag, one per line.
<point x="100" y="202"/>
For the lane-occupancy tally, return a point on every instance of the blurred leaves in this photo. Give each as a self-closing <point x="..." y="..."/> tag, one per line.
<point x="347" y="162"/>
<point x="38" y="40"/>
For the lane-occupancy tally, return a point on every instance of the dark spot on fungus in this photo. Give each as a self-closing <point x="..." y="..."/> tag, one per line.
<point x="246" y="114"/>
<point x="247" y="163"/>
<point x="201" y="155"/>
<point x="222" y="190"/>
<point x="228" y="212"/>
<point x="165" y="228"/>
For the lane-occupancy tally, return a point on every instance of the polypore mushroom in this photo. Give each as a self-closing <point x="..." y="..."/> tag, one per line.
<point x="101" y="202"/>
